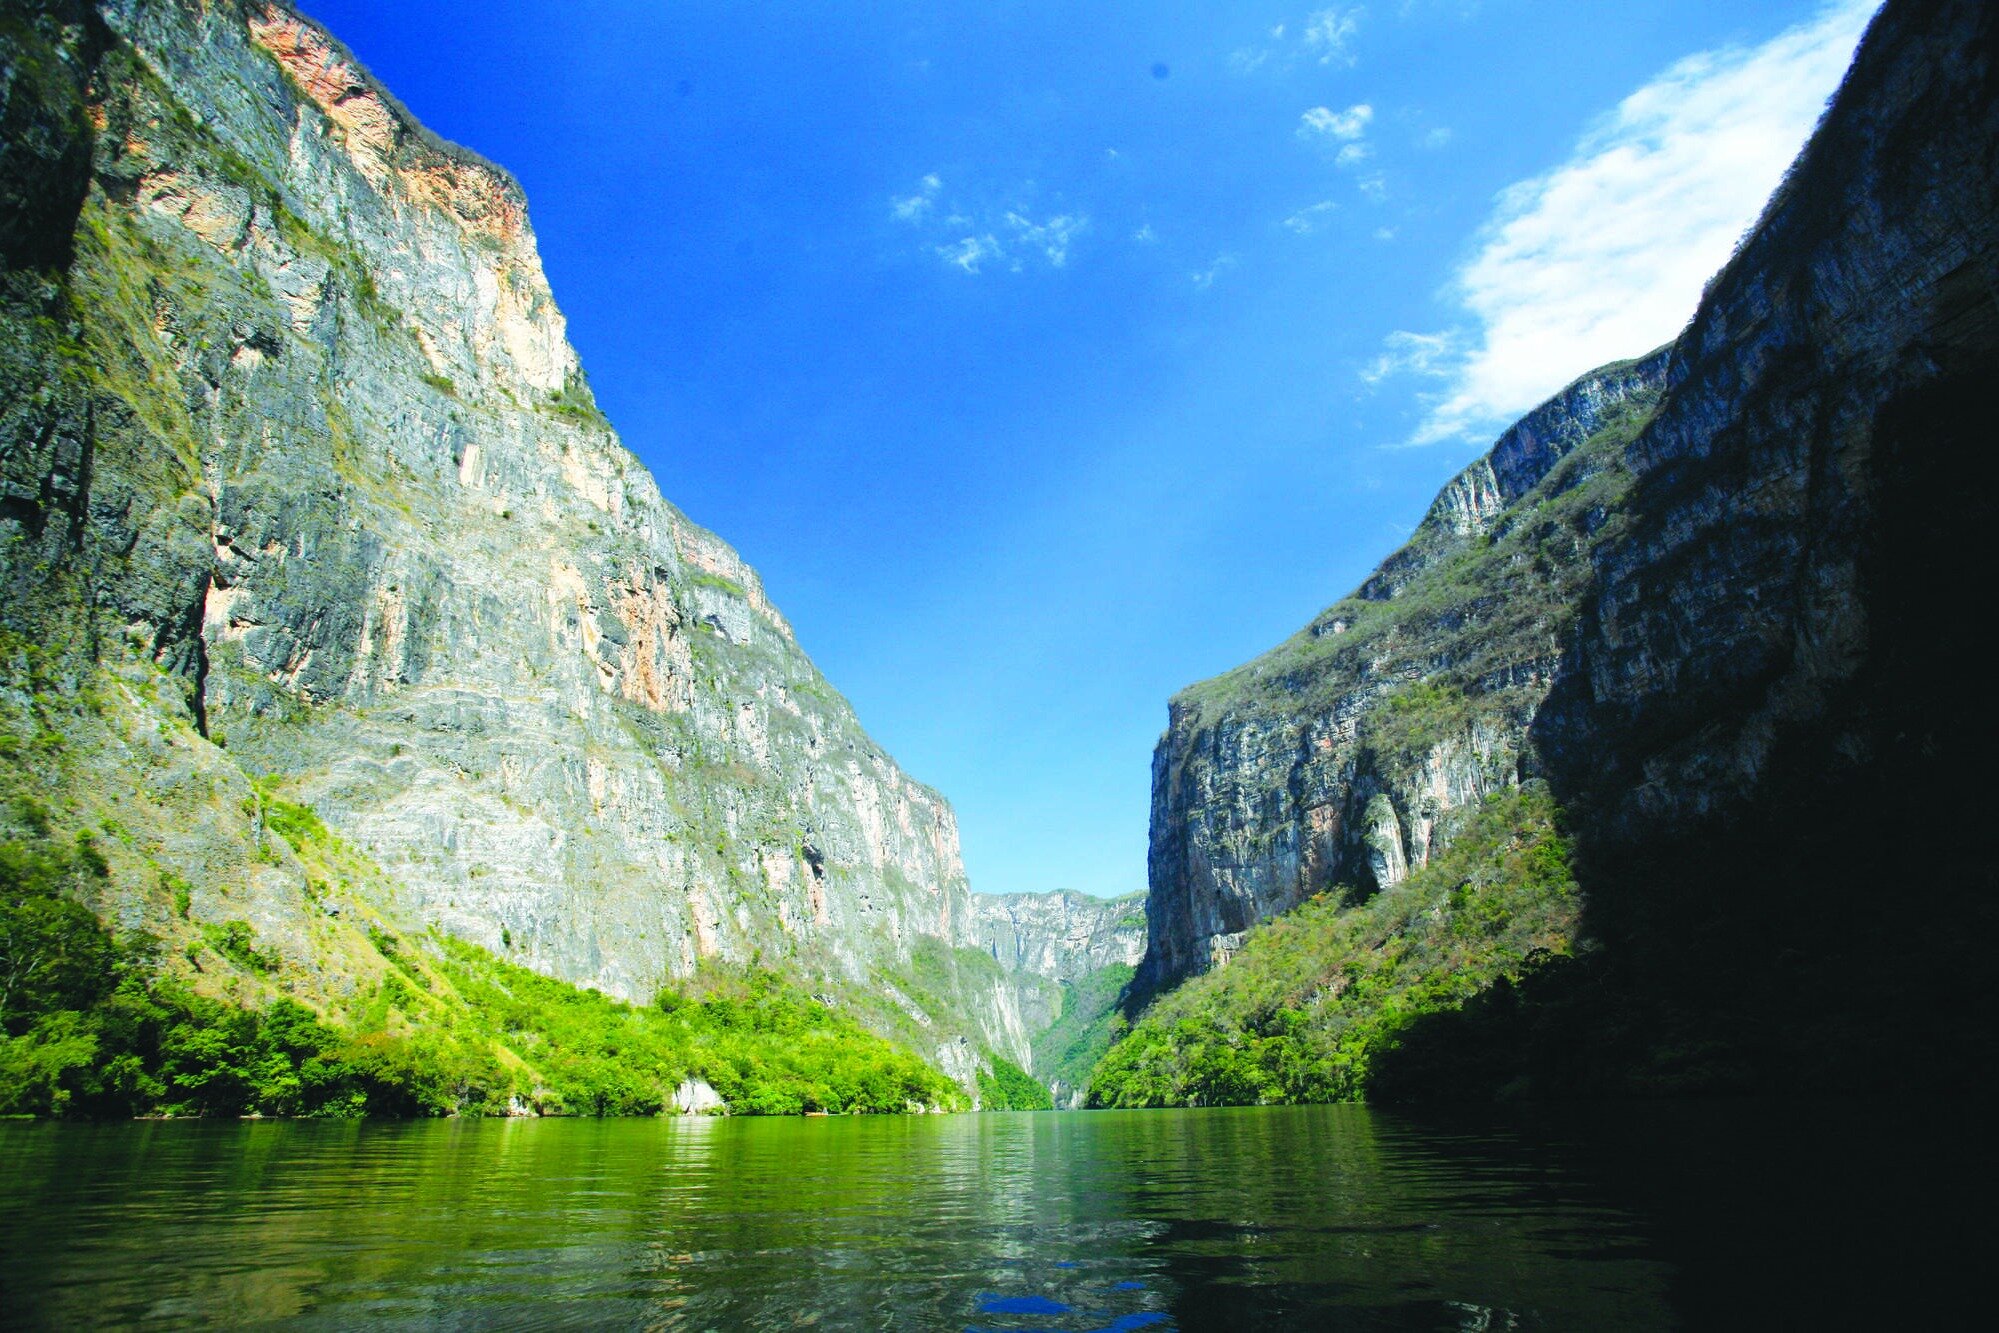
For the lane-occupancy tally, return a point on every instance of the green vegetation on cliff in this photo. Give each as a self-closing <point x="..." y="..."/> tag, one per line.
<point x="1460" y="604"/>
<point x="92" y="1025"/>
<point x="1088" y="1023"/>
<point x="1008" y="1087"/>
<point x="1315" y="996"/>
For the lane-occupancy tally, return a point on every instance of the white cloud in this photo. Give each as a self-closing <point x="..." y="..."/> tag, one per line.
<point x="1051" y="238"/>
<point x="1384" y="233"/>
<point x="1435" y="139"/>
<point x="1348" y="128"/>
<point x="1330" y="32"/>
<point x="1327" y="38"/>
<point x="1145" y="235"/>
<point x="915" y="207"/>
<point x="1606" y="255"/>
<point x="1405" y="353"/>
<point x="1347" y="125"/>
<point x="970" y="253"/>
<point x="1205" y="278"/>
<point x="1306" y="220"/>
<point x="971" y="239"/>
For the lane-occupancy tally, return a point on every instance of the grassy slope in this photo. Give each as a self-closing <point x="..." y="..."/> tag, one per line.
<point x="1301" y="1014"/>
<point x="111" y="803"/>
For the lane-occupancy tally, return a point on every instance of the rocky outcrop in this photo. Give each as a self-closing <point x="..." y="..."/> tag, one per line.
<point x="301" y="481"/>
<point x="696" y="1096"/>
<point x="1738" y="649"/>
<point x="1346" y="757"/>
<point x="1061" y="935"/>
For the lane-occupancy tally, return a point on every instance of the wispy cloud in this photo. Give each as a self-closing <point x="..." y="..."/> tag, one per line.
<point x="915" y="206"/>
<point x="1326" y="37"/>
<point x="1205" y="278"/>
<point x="1606" y="254"/>
<point x="971" y="242"/>
<point x="1346" y="126"/>
<point x="970" y="253"/>
<point x="1145" y="235"/>
<point x="1329" y="34"/>
<point x="1051" y="238"/>
<point x="1404" y="353"/>
<point x="1308" y="219"/>
<point x="1348" y="129"/>
<point x="1435" y="139"/>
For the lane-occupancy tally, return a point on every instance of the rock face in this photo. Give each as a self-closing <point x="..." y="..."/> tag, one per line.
<point x="1344" y="758"/>
<point x="695" y="1096"/>
<point x="300" y="480"/>
<point x="1733" y="638"/>
<point x="1062" y="935"/>
<point x="1745" y="595"/>
<point x="1066" y="958"/>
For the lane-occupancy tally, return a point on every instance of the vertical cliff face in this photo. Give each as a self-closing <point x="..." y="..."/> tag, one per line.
<point x="1779" y="709"/>
<point x="1062" y="936"/>
<point x="1715" y="598"/>
<point x="1068" y="958"/>
<point x="1745" y="595"/>
<point x="301" y="481"/>
<point x="1346" y="757"/>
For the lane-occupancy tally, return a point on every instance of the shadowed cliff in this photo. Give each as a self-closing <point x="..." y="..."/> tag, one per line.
<point x="1740" y="650"/>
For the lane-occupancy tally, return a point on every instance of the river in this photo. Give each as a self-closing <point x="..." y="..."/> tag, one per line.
<point x="1656" y="1216"/>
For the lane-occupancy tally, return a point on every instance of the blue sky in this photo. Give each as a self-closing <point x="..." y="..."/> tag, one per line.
<point x="1047" y="358"/>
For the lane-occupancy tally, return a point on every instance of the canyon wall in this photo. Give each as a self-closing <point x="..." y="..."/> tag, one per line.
<point x="1721" y="601"/>
<point x="304" y="495"/>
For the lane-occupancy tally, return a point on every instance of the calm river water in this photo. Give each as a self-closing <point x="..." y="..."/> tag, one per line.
<point x="1312" y="1217"/>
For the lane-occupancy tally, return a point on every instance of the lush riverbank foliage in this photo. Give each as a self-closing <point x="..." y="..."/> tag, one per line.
<point x="94" y="1025"/>
<point x="1008" y="1087"/>
<point x="1088" y="1023"/>
<point x="1315" y="996"/>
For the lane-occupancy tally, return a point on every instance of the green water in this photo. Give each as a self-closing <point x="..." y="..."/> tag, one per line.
<point x="1314" y="1217"/>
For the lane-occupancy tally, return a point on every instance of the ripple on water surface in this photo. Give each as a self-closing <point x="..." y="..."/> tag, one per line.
<point x="1275" y="1217"/>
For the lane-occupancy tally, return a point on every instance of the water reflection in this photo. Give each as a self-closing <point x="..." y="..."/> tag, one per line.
<point x="1126" y="1220"/>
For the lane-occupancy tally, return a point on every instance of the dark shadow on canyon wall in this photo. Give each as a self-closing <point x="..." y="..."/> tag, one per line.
<point x="1834" y="930"/>
<point x="1777" y="732"/>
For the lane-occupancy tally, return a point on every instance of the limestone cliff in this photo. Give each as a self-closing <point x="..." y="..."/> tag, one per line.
<point x="1068" y="958"/>
<point x="1723" y="610"/>
<point x="1061" y="935"/>
<point x="303" y="491"/>
<point x="1344" y="758"/>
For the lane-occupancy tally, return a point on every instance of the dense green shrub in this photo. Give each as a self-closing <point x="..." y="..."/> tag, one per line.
<point x="1411" y="722"/>
<point x="1008" y="1087"/>
<point x="1085" y="1027"/>
<point x="1316" y="995"/>
<point x="93" y="1026"/>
